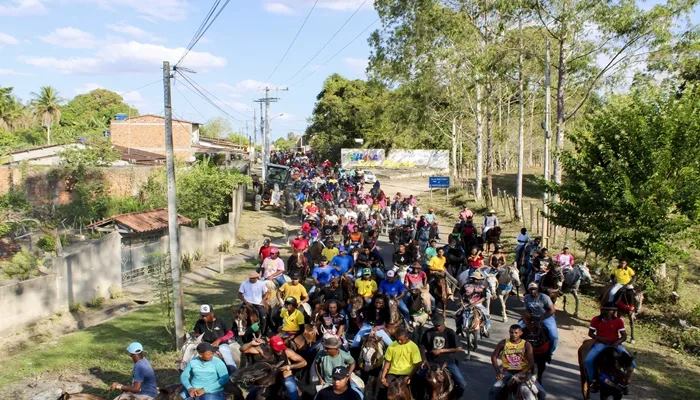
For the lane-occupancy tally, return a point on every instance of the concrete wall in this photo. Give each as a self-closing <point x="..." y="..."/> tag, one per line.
<point x="81" y="274"/>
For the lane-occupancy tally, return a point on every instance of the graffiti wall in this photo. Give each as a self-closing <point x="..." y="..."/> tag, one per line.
<point x="397" y="158"/>
<point x="351" y="158"/>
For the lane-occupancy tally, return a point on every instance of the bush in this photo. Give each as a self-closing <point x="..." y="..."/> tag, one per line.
<point x="22" y="266"/>
<point x="186" y="262"/>
<point x="225" y="246"/>
<point x="47" y="243"/>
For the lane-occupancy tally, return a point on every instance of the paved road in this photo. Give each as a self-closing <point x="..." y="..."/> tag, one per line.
<point x="561" y="379"/>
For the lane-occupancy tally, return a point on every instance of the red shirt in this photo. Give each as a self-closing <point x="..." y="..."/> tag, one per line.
<point x="300" y="244"/>
<point x="475" y="262"/>
<point x="265" y="251"/>
<point x="609" y="329"/>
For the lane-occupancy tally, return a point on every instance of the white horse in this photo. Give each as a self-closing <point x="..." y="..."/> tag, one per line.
<point x="573" y="278"/>
<point x="508" y="279"/>
<point x="189" y="350"/>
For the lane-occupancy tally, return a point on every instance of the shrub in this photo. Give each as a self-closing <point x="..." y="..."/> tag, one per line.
<point x="225" y="246"/>
<point x="47" y="243"/>
<point x="22" y="266"/>
<point x="96" y="302"/>
<point x="186" y="262"/>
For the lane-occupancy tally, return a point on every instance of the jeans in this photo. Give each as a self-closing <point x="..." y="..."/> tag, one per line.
<point x="487" y="316"/>
<point x="379" y="272"/>
<point x="206" y="396"/>
<point x="499" y="385"/>
<point x="550" y="324"/>
<point x="613" y="291"/>
<point x="403" y="308"/>
<point x="290" y="383"/>
<point x="225" y="351"/>
<point x="460" y="382"/>
<point x="365" y="330"/>
<point x="595" y="350"/>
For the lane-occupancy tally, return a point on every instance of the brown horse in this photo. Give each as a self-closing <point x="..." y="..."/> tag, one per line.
<point x="371" y="360"/>
<point x="493" y="236"/>
<point x="440" y="289"/>
<point x="399" y="388"/>
<point x="441" y="383"/>
<point x="305" y="340"/>
<point x="629" y="301"/>
<point x="244" y="317"/>
<point x="298" y="263"/>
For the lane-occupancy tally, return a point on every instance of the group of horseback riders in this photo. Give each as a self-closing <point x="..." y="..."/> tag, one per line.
<point x="338" y="322"/>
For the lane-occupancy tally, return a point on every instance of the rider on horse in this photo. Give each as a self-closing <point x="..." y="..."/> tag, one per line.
<point x="490" y="221"/>
<point x="539" y="306"/>
<point x="440" y="345"/>
<point x="516" y="359"/>
<point x="143" y="378"/>
<point x="608" y="330"/>
<point x="623" y="276"/>
<point x="215" y="332"/>
<point x="475" y="291"/>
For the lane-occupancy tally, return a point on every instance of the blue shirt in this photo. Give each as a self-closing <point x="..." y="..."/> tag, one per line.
<point x="343" y="263"/>
<point x="209" y="375"/>
<point x="324" y="275"/>
<point x="395" y="288"/>
<point x="143" y="373"/>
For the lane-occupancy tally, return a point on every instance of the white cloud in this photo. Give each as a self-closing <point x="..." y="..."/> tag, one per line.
<point x="240" y="107"/>
<point x="71" y="38"/>
<point x="133" y="98"/>
<point x="129" y="56"/>
<point x="344" y="5"/>
<point x="8" y="72"/>
<point x="356" y="65"/>
<point x="6" y="39"/>
<point x="88" y="87"/>
<point x="278" y="8"/>
<point x="132" y="31"/>
<point x="20" y="8"/>
<point x="245" y="86"/>
<point x="169" y="10"/>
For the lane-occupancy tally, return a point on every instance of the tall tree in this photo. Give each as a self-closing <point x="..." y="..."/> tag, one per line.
<point x="89" y="114"/>
<point x="47" y="106"/>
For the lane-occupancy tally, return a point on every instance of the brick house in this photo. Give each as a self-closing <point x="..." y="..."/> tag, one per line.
<point x="147" y="133"/>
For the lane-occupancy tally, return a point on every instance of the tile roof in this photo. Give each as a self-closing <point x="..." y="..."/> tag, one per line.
<point x="142" y="222"/>
<point x="136" y="156"/>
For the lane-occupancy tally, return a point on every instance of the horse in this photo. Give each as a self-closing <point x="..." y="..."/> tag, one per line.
<point x="371" y="360"/>
<point x="440" y="290"/>
<point x="471" y="324"/>
<point x="441" y="383"/>
<point x="189" y="350"/>
<point x="399" y="388"/>
<point x="265" y="377"/>
<point x="417" y="309"/>
<point x="537" y="336"/>
<point x="305" y="340"/>
<point x="493" y="236"/>
<point x="356" y="303"/>
<point x="551" y="282"/>
<point x="298" y="263"/>
<point x="521" y="386"/>
<point x="79" y="396"/>
<point x="573" y="278"/>
<point x="615" y="369"/>
<point x="629" y="301"/>
<point x="243" y="318"/>
<point x="508" y="279"/>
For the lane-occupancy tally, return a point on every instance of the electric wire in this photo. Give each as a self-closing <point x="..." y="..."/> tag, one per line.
<point x="327" y="42"/>
<point x="204" y="27"/>
<point x="286" y="52"/>
<point x="191" y="85"/>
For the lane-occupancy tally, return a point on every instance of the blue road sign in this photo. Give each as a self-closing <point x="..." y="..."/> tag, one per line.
<point x="439" y="182"/>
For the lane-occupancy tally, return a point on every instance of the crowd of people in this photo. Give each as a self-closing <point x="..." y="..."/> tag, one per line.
<point x="340" y="321"/>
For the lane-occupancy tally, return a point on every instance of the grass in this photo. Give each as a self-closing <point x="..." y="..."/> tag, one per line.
<point x="99" y="351"/>
<point x="664" y="371"/>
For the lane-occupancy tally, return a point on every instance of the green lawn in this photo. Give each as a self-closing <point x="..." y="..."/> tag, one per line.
<point x="100" y="350"/>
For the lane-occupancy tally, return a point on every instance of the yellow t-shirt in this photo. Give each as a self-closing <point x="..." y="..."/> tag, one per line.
<point x="437" y="263"/>
<point x="623" y="276"/>
<point x="513" y="356"/>
<point x="366" y="288"/>
<point x="297" y="291"/>
<point x="329" y="253"/>
<point x="292" y="322"/>
<point x="402" y="357"/>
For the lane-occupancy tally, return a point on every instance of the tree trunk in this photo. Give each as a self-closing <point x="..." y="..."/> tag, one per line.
<point x="561" y="81"/>
<point x="489" y="154"/>
<point x="521" y="130"/>
<point x="454" y="148"/>
<point x="479" y="171"/>
<point x="530" y="160"/>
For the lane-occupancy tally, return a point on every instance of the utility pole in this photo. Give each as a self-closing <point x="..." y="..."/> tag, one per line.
<point x="255" y="139"/>
<point x="265" y="127"/>
<point x="173" y="231"/>
<point x="547" y="134"/>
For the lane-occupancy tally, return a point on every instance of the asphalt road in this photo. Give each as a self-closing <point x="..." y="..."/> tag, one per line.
<point x="561" y="378"/>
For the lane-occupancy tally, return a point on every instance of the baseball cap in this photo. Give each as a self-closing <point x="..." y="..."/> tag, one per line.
<point x="366" y="271"/>
<point x="277" y="344"/>
<point x="532" y="285"/>
<point x="254" y="275"/>
<point x="438" y="319"/>
<point x="205" y="309"/>
<point x="135" y="348"/>
<point x="340" y="372"/>
<point x="275" y="250"/>
<point x="390" y="273"/>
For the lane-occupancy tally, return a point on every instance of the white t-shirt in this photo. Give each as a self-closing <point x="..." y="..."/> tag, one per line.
<point x="351" y="214"/>
<point x="270" y="266"/>
<point x="253" y="292"/>
<point x="333" y="219"/>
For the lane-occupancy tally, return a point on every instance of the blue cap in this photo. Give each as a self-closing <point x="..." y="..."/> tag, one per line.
<point x="135" y="348"/>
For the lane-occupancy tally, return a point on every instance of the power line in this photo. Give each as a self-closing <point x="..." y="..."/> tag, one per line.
<point x="204" y="27"/>
<point x="327" y="42"/>
<point x="197" y="90"/>
<point x="206" y="92"/>
<point x="190" y="103"/>
<point x="293" y="41"/>
<point x="338" y="52"/>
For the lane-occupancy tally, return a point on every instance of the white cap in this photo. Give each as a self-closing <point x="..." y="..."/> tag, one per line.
<point x="204" y="309"/>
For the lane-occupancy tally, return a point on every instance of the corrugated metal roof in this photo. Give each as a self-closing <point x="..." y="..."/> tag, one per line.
<point x="142" y="222"/>
<point x="136" y="156"/>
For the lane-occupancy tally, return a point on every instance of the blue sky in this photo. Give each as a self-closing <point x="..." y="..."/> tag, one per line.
<point x="79" y="45"/>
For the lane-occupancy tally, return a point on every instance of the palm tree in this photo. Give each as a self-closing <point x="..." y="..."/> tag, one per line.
<point x="10" y="109"/>
<point x="47" y="106"/>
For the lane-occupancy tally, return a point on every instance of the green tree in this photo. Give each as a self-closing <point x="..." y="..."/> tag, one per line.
<point x="89" y="114"/>
<point x="203" y="177"/>
<point x="10" y="109"/>
<point x="47" y="107"/>
<point x="632" y="181"/>
<point x="216" y="128"/>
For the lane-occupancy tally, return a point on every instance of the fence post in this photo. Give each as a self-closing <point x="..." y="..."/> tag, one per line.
<point x="537" y="215"/>
<point x="202" y="227"/>
<point x="532" y="216"/>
